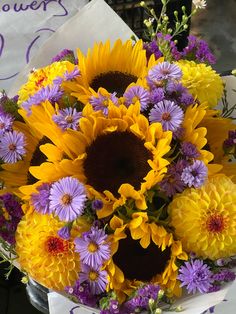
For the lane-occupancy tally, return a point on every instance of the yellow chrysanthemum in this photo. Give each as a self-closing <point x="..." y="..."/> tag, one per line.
<point x="205" y="219"/>
<point x="142" y="251"/>
<point x="42" y="77"/>
<point x="202" y="82"/>
<point x="113" y="69"/>
<point x="117" y="157"/>
<point x="46" y="257"/>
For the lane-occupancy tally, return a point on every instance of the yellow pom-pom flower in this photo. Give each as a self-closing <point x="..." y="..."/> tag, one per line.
<point x="205" y="219"/>
<point x="202" y="82"/>
<point x="45" y="256"/>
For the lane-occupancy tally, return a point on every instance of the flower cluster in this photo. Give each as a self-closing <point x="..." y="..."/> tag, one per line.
<point x="126" y="190"/>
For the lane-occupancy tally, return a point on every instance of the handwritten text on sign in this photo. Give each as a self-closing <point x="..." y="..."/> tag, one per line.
<point x="24" y="27"/>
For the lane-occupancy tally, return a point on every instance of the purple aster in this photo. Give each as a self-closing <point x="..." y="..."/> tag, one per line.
<point x="93" y="247"/>
<point x="65" y="54"/>
<point x="101" y="102"/>
<point x="164" y="71"/>
<point x="189" y="150"/>
<point x="82" y="293"/>
<point x="6" y="121"/>
<point x="195" y="175"/>
<point x="40" y="200"/>
<point x="64" y="233"/>
<point x="67" y="118"/>
<point x="157" y="95"/>
<point x="168" y="114"/>
<point x="172" y="183"/>
<point x="67" y="198"/>
<point x="224" y="275"/>
<point x="178" y="93"/>
<point x="71" y="75"/>
<point x="97" y="204"/>
<point x="95" y="277"/>
<point x="230" y="142"/>
<point x="137" y="93"/>
<point x="12" y="147"/>
<point x="152" y="48"/>
<point x="196" y="276"/>
<point x="51" y="93"/>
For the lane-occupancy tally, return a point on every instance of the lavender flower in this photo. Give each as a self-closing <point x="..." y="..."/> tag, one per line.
<point x="67" y="199"/>
<point x="93" y="247"/>
<point x="71" y="75"/>
<point x="230" y="142"/>
<point x="224" y="275"/>
<point x="164" y="71"/>
<point x="101" y="102"/>
<point x="64" y="233"/>
<point x="97" y="204"/>
<point x="51" y="93"/>
<point x="82" y="293"/>
<point x="12" y="147"/>
<point x="196" y="276"/>
<point x="65" y="54"/>
<point x="6" y="121"/>
<point x="189" y="150"/>
<point x="157" y="95"/>
<point x="195" y="175"/>
<point x="168" y="114"/>
<point x="67" y="118"/>
<point x="137" y="93"/>
<point x="179" y="94"/>
<point x="40" y="200"/>
<point x="95" y="277"/>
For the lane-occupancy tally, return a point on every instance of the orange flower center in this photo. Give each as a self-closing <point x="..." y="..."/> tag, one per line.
<point x="55" y="245"/>
<point x="69" y="119"/>
<point x="12" y="147"/>
<point x="215" y="223"/>
<point x="66" y="199"/>
<point x="166" y="116"/>
<point x="93" y="275"/>
<point x="92" y="247"/>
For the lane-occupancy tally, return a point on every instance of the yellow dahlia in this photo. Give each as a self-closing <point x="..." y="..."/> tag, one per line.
<point x="45" y="256"/>
<point x="205" y="219"/>
<point x="202" y="82"/>
<point x="113" y="69"/>
<point x="142" y="251"/>
<point x="43" y="77"/>
<point x="117" y="157"/>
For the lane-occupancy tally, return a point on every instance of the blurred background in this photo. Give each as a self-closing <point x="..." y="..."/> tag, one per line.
<point x="217" y="25"/>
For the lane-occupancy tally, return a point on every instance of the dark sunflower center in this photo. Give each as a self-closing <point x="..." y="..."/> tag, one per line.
<point x="139" y="263"/>
<point x="113" y="82"/>
<point x="37" y="158"/>
<point x="114" y="159"/>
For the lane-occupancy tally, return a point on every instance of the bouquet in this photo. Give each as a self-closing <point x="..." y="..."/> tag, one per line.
<point x="118" y="186"/>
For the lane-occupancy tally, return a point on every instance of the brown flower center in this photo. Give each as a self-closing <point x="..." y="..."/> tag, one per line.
<point x="66" y="199"/>
<point x="114" y="81"/>
<point x="55" y="245"/>
<point x="114" y="159"/>
<point x="2" y="125"/>
<point x="215" y="223"/>
<point x="139" y="263"/>
<point x="37" y="159"/>
<point x="12" y="147"/>
<point x="166" y="116"/>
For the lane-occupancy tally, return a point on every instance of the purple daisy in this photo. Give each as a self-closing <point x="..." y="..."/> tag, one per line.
<point x="157" y="95"/>
<point x="12" y="147"/>
<point x="67" y="198"/>
<point x="194" y="175"/>
<point x="65" y="54"/>
<point x="137" y="93"/>
<point x="51" y="93"/>
<point x="189" y="150"/>
<point x="178" y="93"/>
<point x="97" y="204"/>
<point x="95" y="277"/>
<point x="93" y="247"/>
<point x="64" y="233"/>
<point x="40" y="200"/>
<point x="224" y="275"/>
<point x="6" y="121"/>
<point x="168" y="114"/>
<point x="196" y="276"/>
<point x="67" y="118"/>
<point x="164" y="71"/>
<point x="101" y="102"/>
<point x="68" y="76"/>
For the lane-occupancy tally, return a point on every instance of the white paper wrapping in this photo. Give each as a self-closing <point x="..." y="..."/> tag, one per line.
<point x="24" y="27"/>
<point x="95" y="22"/>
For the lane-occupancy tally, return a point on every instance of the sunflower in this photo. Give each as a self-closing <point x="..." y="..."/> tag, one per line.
<point x="202" y="82"/>
<point x="40" y="132"/>
<point x="43" y="77"/>
<point x="205" y="219"/>
<point x="47" y="258"/>
<point x="113" y="69"/>
<point x="117" y="157"/>
<point x="142" y="251"/>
